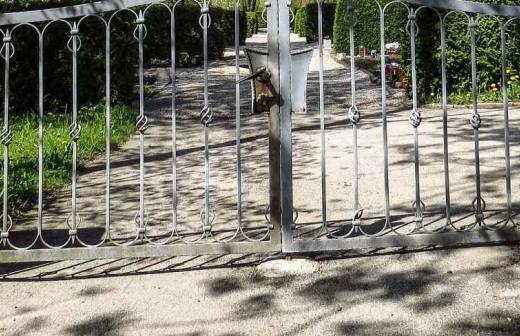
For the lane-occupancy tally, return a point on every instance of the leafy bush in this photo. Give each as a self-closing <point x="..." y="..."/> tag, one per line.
<point x="261" y="22"/>
<point x="458" y="53"/>
<point x="306" y="21"/>
<point x="252" y="23"/>
<point x="490" y="94"/>
<point x="124" y="53"/>
<point x="366" y="25"/>
<point x="428" y="53"/>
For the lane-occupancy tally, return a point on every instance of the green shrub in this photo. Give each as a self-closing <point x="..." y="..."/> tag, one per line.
<point x="306" y="21"/>
<point x="428" y="53"/>
<point x="261" y="21"/>
<point x="124" y="53"/>
<point x="367" y="27"/>
<point x="252" y="23"/>
<point x="459" y="55"/>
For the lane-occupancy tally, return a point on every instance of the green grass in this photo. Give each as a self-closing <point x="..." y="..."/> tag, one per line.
<point x="23" y="151"/>
<point x="491" y="94"/>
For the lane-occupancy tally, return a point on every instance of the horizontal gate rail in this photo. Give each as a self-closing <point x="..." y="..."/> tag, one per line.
<point x="138" y="251"/>
<point x="413" y="241"/>
<point x="69" y="12"/>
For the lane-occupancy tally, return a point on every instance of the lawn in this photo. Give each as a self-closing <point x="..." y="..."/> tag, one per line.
<point x="57" y="149"/>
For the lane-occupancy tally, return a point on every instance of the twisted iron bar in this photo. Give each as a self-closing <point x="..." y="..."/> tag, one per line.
<point x="419" y="211"/>
<point x="475" y="120"/>
<point x="6" y="137"/>
<point x="204" y="24"/>
<point x="142" y="123"/>
<point x="73" y="228"/>
<point x="412" y="20"/>
<point x="415" y="118"/>
<point x="479" y="206"/>
<point x="141" y="230"/>
<point x="4" y="235"/>
<point x="206" y="116"/>
<point x="354" y="115"/>
<point x="472" y="26"/>
<point x="207" y="226"/>
<point x="140" y="25"/>
<point x="75" y="131"/>
<point x="356" y="218"/>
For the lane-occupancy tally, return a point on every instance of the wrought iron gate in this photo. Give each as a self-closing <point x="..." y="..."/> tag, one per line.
<point x="280" y="231"/>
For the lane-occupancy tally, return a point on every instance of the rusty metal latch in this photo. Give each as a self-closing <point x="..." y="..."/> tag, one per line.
<point x="261" y="73"/>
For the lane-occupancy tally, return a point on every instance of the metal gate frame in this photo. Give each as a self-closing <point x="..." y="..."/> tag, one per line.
<point x="141" y="246"/>
<point x="281" y="235"/>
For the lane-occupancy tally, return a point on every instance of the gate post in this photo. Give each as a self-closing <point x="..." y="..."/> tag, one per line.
<point x="280" y="147"/>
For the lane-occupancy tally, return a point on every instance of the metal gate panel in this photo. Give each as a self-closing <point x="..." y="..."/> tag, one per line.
<point x="264" y="237"/>
<point x="352" y="232"/>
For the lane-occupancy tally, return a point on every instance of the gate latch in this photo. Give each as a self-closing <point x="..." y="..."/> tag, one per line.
<point x="262" y="88"/>
<point x="262" y="74"/>
<point x="263" y="93"/>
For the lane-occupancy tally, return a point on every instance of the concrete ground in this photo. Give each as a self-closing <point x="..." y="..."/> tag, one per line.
<point x="442" y="292"/>
<point x="472" y="291"/>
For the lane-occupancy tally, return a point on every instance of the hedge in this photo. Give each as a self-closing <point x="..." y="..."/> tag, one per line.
<point x="306" y="21"/>
<point x="428" y="53"/>
<point x="458" y="52"/>
<point x="367" y="27"/>
<point x="252" y="23"/>
<point x="91" y="57"/>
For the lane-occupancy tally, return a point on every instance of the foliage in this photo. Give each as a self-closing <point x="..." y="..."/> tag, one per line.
<point x="252" y="23"/>
<point x="123" y="57"/>
<point x="488" y="94"/>
<point x="367" y="25"/>
<point x="23" y="151"/>
<point x="306" y="21"/>
<point x="370" y="64"/>
<point x="458" y="55"/>
<point x="428" y="52"/>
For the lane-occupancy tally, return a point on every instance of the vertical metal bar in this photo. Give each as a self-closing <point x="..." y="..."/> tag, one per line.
<point x="322" y="119"/>
<point x="143" y="119"/>
<point x="74" y="122"/>
<point x="108" y="128"/>
<point x="415" y="118"/>
<point x="173" y="117"/>
<point x="445" y="121"/>
<point x="383" y="115"/>
<point x="475" y="120"/>
<point x="205" y="24"/>
<point x="6" y="133"/>
<point x="273" y="62"/>
<point x="354" y="116"/>
<point x="40" y="134"/>
<point x="285" y="117"/>
<point x="237" y="113"/>
<point x="74" y="127"/>
<point x="505" y="100"/>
